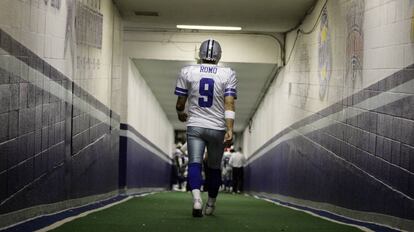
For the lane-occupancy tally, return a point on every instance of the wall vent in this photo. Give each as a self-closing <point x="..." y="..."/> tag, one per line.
<point x="146" y="13"/>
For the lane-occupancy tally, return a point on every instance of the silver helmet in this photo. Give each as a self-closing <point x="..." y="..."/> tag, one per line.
<point x="210" y="50"/>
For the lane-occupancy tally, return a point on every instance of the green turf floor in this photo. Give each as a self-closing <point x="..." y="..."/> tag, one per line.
<point x="171" y="211"/>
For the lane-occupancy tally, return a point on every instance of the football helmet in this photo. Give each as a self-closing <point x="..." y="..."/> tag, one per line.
<point x="210" y="50"/>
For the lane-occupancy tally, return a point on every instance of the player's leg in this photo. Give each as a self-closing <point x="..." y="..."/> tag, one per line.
<point x="241" y="179"/>
<point x="238" y="185"/>
<point x="215" y="149"/>
<point x="195" y="145"/>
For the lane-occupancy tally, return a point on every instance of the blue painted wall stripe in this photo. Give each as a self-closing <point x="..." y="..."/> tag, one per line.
<point x="335" y="217"/>
<point x="46" y="220"/>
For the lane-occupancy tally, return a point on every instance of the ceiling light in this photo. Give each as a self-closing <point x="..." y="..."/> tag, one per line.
<point x="199" y="27"/>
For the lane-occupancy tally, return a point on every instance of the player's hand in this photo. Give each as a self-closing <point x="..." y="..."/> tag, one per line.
<point x="182" y="116"/>
<point x="228" y="138"/>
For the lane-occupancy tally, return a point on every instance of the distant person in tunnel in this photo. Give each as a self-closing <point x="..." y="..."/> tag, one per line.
<point x="237" y="162"/>
<point x="211" y="91"/>
<point x="180" y="164"/>
<point x="226" y="171"/>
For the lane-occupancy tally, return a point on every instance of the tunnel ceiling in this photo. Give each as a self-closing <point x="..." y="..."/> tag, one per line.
<point x="161" y="75"/>
<point x="259" y="16"/>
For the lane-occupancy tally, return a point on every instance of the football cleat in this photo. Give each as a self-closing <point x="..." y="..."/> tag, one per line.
<point x="197" y="213"/>
<point x="209" y="210"/>
<point x="197" y="208"/>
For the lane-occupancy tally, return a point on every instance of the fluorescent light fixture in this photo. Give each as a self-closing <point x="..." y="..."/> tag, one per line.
<point x="199" y="27"/>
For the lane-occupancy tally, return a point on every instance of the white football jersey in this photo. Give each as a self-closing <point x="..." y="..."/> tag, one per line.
<point x="206" y="85"/>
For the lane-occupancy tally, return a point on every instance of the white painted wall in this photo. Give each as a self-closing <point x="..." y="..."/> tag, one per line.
<point x="39" y="27"/>
<point x="142" y="110"/>
<point x="95" y="77"/>
<point x="184" y="46"/>
<point x="44" y="30"/>
<point x="388" y="36"/>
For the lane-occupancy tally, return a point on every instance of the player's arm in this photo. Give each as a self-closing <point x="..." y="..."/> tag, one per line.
<point x="181" y="90"/>
<point x="229" y="115"/>
<point x="180" y="107"/>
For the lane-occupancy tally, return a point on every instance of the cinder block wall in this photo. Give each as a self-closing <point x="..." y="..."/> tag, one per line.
<point x="60" y="86"/>
<point x="336" y="130"/>
<point x="61" y="143"/>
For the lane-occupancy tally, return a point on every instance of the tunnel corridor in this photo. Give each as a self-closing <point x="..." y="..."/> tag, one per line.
<point x="324" y="113"/>
<point x="235" y="213"/>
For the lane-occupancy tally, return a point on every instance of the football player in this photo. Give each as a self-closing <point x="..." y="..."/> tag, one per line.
<point x="211" y="91"/>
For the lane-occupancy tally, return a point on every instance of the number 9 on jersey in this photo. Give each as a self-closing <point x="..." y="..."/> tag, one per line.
<point x="206" y="91"/>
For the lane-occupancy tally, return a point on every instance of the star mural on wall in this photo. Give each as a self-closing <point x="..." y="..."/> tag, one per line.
<point x="70" y="30"/>
<point x="412" y="20"/>
<point x="324" y="54"/>
<point x="355" y="42"/>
